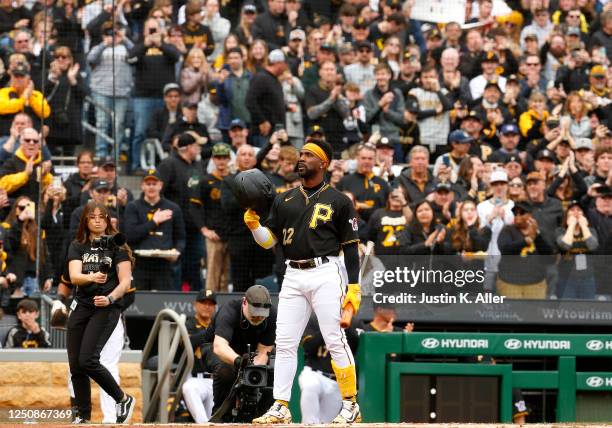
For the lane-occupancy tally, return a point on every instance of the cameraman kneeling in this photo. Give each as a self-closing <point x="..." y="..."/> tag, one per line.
<point x="239" y="323"/>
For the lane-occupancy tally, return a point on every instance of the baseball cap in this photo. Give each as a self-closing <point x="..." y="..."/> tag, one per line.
<point x="190" y="104"/>
<point x="98" y="184"/>
<point x="459" y="136"/>
<point x="327" y="47"/>
<point x="237" y="123"/>
<point x="394" y="3"/>
<point x="509" y="128"/>
<point x="434" y="33"/>
<point x="360" y="23"/>
<point x="259" y="301"/>
<point x="316" y="130"/>
<point x="152" y="174"/>
<point x="346" y="48"/>
<point x="297" y="34"/>
<point x="186" y="139"/>
<point x="604" y="191"/>
<point x="531" y="36"/>
<point x="573" y="203"/>
<point x="598" y="71"/>
<point x="545" y="154"/>
<point x="534" y="176"/>
<point x="171" y="87"/>
<point x="499" y="175"/>
<point x="521" y="207"/>
<point x="21" y="69"/>
<point x="511" y="159"/>
<point x="443" y="187"/>
<point x="573" y="31"/>
<point x="106" y="161"/>
<point x="276" y="56"/>
<point x="206" y="295"/>
<point x="493" y="84"/>
<point x="490" y="57"/>
<point x="364" y="44"/>
<point x="584" y="143"/>
<point x="221" y="149"/>
<point x="512" y="78"/>
<point x="249" y="7"/>
<point x="384" y="142"/>
<point x="472" y="114"/>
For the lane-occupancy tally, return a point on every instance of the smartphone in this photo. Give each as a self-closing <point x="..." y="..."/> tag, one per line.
<point x="446" y="160"/>
<point x="57" y="182"/>
<point x="30" y="209"/>
<point x="552" y="123"/>
<point x="279" y="127"/>
<point x="153" y="31"/>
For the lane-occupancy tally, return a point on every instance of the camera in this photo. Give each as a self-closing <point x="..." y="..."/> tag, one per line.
<point x="251" y="394"/>
<point x="109" y="242"/>
<point x="105" y="265"/>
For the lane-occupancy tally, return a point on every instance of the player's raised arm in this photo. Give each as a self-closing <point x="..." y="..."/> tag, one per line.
<point x="263" y="236"/>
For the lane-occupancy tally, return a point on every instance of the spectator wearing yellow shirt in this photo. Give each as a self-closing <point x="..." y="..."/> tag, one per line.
<point x="531" y="121"/>
<point x="20" y="96"/>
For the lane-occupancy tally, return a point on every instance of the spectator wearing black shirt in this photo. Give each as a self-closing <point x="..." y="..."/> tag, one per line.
<point x="187" y="120"/>
<point x="370" y="191"/>
<point x="12" y="17"/>
<point x="248" y="261"/>
<point x="154" y="223"/>
<point x="27" y="333"/>
<point x="547" y="211"/>
<point x="272" y="26"/>
<point x="385" y="224"/>
<point x="415" y="180"/>
<point x="600" y="219"/>
<point x="155" y="67"/>
<point x="327" y="107"/>
<point x="238" y="324"/>
<point x="194" y="33"/>
<point x="265" y="99"/>
<point x="181" y="172"/>
<point x="77" y="183"/>
<point x="167" y="115"/>
<point x="207" y="215"/>
<point x="100" y="191"/>
<point x="524" y="249"/>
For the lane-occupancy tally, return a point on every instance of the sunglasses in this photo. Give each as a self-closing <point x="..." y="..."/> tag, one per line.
<point x="21" y="207"/>
<point x="61" y="57"/>
<point x="30" y="140"/>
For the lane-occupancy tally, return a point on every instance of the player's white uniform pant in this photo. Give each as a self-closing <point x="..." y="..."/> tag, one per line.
<point x="320" y="399"/>
<point x="198" y="395"/>
<point x="321" y="289"/>
<point x="109" y="358"/>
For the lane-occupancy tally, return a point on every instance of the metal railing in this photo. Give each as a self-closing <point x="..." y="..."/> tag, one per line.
<point x="58" y="335"/>
<point x="162" y="388"/>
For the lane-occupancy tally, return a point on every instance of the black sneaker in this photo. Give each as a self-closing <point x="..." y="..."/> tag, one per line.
<point x="79" y="420"/>
<point x="125" y="410"/>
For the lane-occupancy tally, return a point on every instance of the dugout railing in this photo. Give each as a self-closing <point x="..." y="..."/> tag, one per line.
<point x="165" y="367"/>
<point x="381" y="367"/>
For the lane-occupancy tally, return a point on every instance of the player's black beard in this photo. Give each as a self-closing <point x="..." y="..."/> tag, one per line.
<point x="304" y="172"/>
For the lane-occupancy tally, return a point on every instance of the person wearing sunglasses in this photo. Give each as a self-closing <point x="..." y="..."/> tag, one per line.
<point x="19" y="173"/>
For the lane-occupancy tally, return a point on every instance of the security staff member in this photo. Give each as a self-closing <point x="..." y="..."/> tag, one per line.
<point x="197" y="389"/>
<point x="239" y="323"/>
<point x="153" y="222"/>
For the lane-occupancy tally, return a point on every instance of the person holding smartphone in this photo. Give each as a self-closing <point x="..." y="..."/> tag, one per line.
<point x="100" y="266"/>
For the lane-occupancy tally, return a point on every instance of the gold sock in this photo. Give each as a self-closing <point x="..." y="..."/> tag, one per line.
<point x="347" y="380"/>
<point x="283" y="402"/>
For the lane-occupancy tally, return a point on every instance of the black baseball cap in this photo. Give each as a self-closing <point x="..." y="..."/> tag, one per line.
<point x="545" y="154"/>
<point x="258" y="298"/>
<point x="490" y="57"/>
<point x="186" y="139"/>
<point x="316" y="130"/>
<point x="206" y="295"/>
<point x="107" y="161"/>
<point x="99" y="184"/>
<point x="152" y="174"/>
<point x="360" y="23"/>
<point x="443" y="187"/>
<point x="21" y="69"/>
<point x="364" y="44"/>
<point x="521" y="207"/>
<point x="604" y="191"/>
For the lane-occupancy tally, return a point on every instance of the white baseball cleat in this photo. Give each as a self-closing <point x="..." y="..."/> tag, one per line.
<point x="349" y="413"/>
<point x="277" y="414"/>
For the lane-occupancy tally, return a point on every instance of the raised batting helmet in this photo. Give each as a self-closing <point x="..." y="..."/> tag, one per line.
<point x="253" y="189"/>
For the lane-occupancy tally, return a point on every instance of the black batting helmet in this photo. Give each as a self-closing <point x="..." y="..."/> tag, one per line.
<point x="253" y="189"/>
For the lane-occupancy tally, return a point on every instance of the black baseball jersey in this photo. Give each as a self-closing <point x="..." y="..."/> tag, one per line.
<point x="369" y="189"/>
<point x="205" y="203"/>
<point x="384" y="227"/>
<point x="369" y="327"/>
<point x="91" y="257"/>
<point x="314" y="226"/>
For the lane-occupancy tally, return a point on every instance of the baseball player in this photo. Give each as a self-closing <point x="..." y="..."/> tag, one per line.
<point x="313" y="223"/>
<point x="320" y="399"/>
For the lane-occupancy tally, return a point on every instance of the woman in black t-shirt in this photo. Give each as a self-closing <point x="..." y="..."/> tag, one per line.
<point x="96" y="310"/>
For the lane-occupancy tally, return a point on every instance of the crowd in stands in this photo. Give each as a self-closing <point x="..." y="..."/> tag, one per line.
<point x="489" y="139"/>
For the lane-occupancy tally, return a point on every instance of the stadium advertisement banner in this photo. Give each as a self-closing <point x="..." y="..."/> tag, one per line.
<point x="594" y="381"/>
<point x="509" y="344"/>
